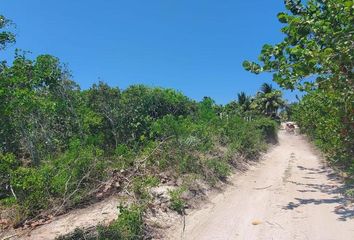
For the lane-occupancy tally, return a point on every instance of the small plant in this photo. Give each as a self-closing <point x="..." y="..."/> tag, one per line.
<point x="350" y="193"/>
<point x="128" y="226"/>
<point x="124" y="156"/>
<point x="141" y="186"/>
<point x="220" y="168"/>
<point x="122" y="150"/>
<point x="8" y="202"/>
<point x="177" y="203"/>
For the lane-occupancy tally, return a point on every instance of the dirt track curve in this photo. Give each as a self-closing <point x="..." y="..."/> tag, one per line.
<point x="290" y="195"/>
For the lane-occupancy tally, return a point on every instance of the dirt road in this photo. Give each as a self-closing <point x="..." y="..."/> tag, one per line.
<point x="289" y="195"/>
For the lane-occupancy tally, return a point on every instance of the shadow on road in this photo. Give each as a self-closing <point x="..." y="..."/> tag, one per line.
<point x="341" y="207"/>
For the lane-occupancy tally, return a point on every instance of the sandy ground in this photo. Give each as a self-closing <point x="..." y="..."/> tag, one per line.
<point x="101" y="212"/>
<point x="289" y="195"/>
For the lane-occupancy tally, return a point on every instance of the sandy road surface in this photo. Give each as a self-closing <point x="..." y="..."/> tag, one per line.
<point x="289" y="195"/>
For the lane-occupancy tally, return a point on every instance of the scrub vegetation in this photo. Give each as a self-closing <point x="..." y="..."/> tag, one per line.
<point x="60" y="146"/>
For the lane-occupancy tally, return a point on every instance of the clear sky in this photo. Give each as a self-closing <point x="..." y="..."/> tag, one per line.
<point x="195" y="46"/>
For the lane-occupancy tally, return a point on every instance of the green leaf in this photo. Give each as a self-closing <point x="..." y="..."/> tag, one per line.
<point x="282" y="17"/>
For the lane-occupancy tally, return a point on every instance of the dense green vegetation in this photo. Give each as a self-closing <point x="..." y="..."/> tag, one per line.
<point x="60" y="145"/>
<point x="317" y="56"/>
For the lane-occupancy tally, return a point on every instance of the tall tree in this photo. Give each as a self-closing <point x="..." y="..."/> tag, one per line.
<point x="317" y="56"/>
<point x="268" y="100"/>
<point x="318" y="42"/>
<point x="105" y="100"/>
<point x="244" y="101"/>
<point x="39" y="107"/>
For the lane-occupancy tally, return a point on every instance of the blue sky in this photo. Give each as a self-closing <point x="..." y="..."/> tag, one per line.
<point x="195" y="46"/>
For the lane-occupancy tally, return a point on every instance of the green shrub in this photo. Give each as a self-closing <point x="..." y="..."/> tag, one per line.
<point x="122" y="150"/>
<point x="8" y="164"/>
<point x="141" y="105"/>
<point x="243" y="137"/>
<point x="268" y="127"/>
<point x="189" y="137"/>
<point x="31" y="188"/>
<point x="101" y="129"/>
<point x="350" y="193"/>
<point x="128" y="226"/>
<point x="74" y="169"/>
<point x="219" y="168"/>
<point x="177" y="203"/>
<point x="141" y="185"/>
<point x="322" y="116"/>
<point x="69" y="176"/>
<point x="123" y="157"/>
<point x="187" y="132"/>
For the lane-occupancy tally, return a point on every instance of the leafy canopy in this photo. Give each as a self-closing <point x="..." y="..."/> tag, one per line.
<point x="317" y="55"/>
<point x="318" y="43"/>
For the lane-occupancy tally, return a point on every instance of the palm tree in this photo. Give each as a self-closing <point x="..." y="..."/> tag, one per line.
<point x="267" y="88"/>
<point x="268" y="100"/>
<point x="241" y="98"/>
<point x="244" y="101"/>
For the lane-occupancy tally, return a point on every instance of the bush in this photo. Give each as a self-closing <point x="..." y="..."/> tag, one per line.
<point x="219" y="168"/>
<point x="243" y="137"/>
<point x="141" y="105"/>
<point x="321" y="115"/>
<point x="8" y="164"/>
<point x="31" y="188"/>
<point x="141" y="185"/>
<point x="74" y="167"/>
<point x="268" y="127"/>
<point x="184" y="139"/>
<point x="66" y="178"/>
<point x="187" y="139"/>
<point x="113" y="129"/>
<point x="128" y="226"/>
<point x="177" y="203"/>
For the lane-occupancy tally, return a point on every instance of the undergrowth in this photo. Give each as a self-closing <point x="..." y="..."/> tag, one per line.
<point x="183" y="145"/>
<point x="128" y="226"/>
<point x="177" y="203"/>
